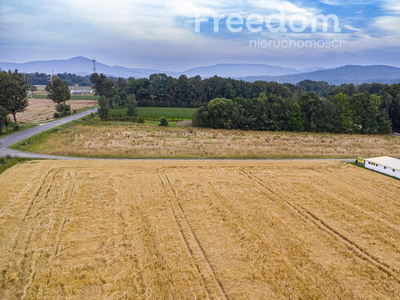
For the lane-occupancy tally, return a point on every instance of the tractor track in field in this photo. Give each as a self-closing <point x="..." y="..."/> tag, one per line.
<point x="27" y="281"/>
<point x="179" y="230"/>
<point x="213" y="286"/>
<point x="60" y="231"/>
<point x="183" y="236"/>
<point x="342" y="201"/>
<point x="319" y="223"/>
<point x="22" y="222"/>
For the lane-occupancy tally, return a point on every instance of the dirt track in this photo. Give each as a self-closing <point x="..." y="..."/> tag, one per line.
<point x="198" y="230"/>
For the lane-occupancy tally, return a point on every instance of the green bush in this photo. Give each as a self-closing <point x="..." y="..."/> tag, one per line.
<point x="163" y="122"/>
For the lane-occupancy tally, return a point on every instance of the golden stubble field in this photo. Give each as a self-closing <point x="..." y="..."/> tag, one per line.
<point x="43" y="109"/>
<point x="144" y="141"/>
<point x="198" y="230"/>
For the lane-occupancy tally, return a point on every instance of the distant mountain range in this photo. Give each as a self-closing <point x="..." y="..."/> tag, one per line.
<point x="77" y="65"/>
<point x="345" y="74"/>
<point x="239" y="70"/>
<point x="248" y="72"/>
<point x="84" y="66"/>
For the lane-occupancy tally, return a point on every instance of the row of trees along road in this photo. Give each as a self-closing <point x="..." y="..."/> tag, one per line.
<point x="14" y="89"/>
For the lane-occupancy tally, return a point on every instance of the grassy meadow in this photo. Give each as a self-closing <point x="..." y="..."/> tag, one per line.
<point x="93" y="138"/>
<point x="13" y="129"/>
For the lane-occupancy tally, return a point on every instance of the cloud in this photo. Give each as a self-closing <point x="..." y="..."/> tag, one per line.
<point x="348" y="2"/>
<point x="155" y="29"/>
<point x="391" y="6"/>
<point x="388" y="25"/>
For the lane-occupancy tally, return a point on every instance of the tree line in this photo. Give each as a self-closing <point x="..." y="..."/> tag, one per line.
<point x="230" y="103"/>
<point x="70" y="79"/>
<point x="361" y="113"/>
<point x="113" y="93"/>
<point x="365" y="108"/>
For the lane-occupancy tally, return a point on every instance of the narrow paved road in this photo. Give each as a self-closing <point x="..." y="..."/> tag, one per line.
<point x="7" y="141"/>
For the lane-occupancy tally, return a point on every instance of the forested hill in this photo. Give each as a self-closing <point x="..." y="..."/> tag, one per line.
<point x="346" y="74"/>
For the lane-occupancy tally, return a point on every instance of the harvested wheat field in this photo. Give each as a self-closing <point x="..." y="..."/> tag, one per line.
<point x="198" y="230"/>
<point x="144" y="141"/>
<point x="43" y="109"/>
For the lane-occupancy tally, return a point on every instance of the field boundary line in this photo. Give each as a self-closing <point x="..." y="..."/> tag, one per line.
<point x="319" y="223"/>
<point x="211" y="283"/>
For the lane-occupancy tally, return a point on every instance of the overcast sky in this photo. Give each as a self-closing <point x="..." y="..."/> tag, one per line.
<point x="161" y="33"/>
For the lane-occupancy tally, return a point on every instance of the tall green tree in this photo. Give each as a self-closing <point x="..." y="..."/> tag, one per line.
<point x="14" y="89"/>
<point x="3" y="117"/>
<point x="103" y="108"/>
<point x="394" y="108"/>
<point x="121" y="84"/>
<point x="310" y="105"/>
<point x="132" y="106"/>
<point x="58" y="91"/>
<point x="368" y="114"/>
<point x="338" y="114"/>
<point x="103" y="86"/>
<point x="181" y="90"/>
<point x="296" y="122"/>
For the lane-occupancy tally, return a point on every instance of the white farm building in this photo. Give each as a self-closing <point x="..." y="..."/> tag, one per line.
<point x="386" y="165"/>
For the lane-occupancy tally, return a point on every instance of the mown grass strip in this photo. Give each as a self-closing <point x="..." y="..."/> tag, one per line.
<point x="13" y="129"/>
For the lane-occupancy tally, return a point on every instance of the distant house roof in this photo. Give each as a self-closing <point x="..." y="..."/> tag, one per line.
<point x="386" y="161"/>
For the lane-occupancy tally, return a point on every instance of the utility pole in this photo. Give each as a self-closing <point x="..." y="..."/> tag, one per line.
<point x="94" y="65"/>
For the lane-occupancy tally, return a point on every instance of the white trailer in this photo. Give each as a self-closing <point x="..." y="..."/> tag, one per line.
<point x="385" y="165"/>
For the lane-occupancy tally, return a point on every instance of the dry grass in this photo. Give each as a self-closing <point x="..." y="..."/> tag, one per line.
<point x="198" y="230"/>
<point x="154" y="142"/>
<point x="43" y="109"/>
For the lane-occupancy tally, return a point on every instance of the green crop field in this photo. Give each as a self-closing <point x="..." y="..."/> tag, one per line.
<point x="156" y="113"/>
<point x="178" y="113"/>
